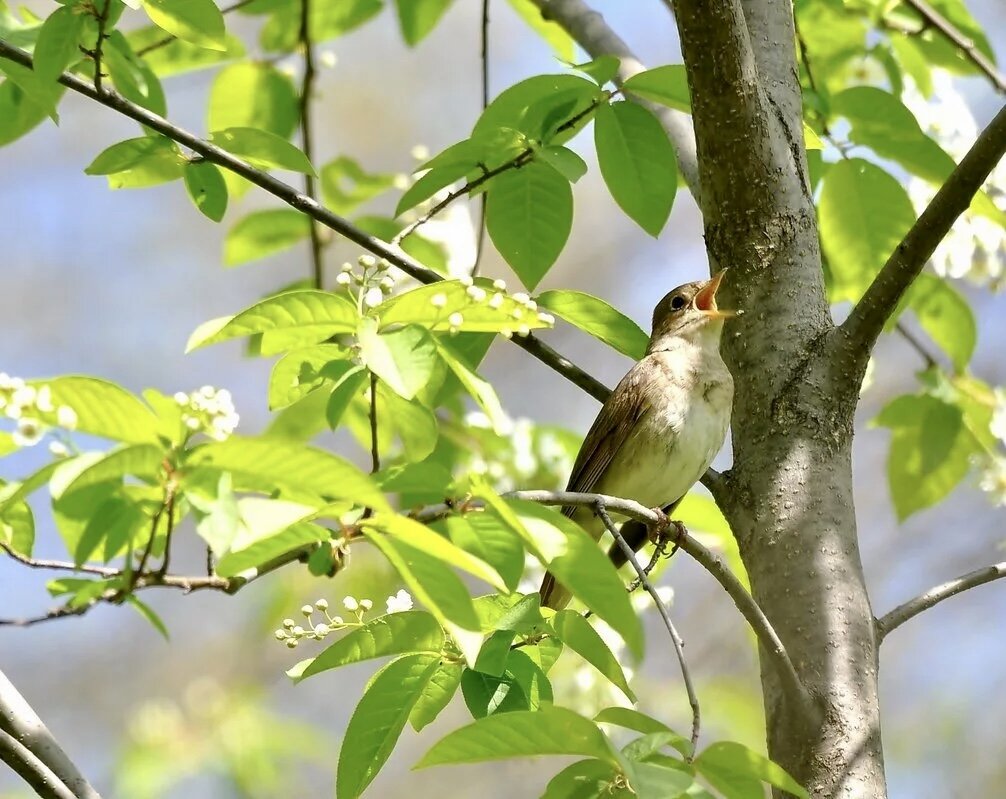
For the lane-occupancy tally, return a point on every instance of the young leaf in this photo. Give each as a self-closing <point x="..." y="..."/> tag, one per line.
<point x="510" y="109"/>
<point x="56" y="47"/>
<point x="102" y="408"/>
<point x="410" y="631"/>
<point x="637" y="163"/>
<point x="253" y="94"/>
<point x="17" y="528"/>
<point x="602" y="69"/>
<point x="596" y="317"/>
<point x="24" y="102"/>
<point x="529" y="216"/>
<point x="631" y="720"/>
<point x="667" y="85"/>
<point x="301" y="371"/>
<point x="264" y="233"/>
<point x="379" y="719"/>
<point x="207" y="189"/>
<point x="262" y="149"/>
<point x="564" y="161"/>
<point x="430" y="183"/>
<point x="261" y="540"/>
<point x="550" y="730"/>
<point x="480" y="390"/>
<point x="946" y="316"/>
<point x="197" y="21"/>
<point x="404" y="358"/>
<point x="554" y="35"/>
<point x="436" y="695"/>
<point x="577" y="633"/>
<point x="418" y="17"/>
<point x="732" y="768"/>
<point x="345" y="185"/>
<point x="148" y="613"/>
<point x="178" y="56"/>
<point x="318" y="314"/>
<point x="140" y="460"/>
<point x="138" y="163"/>
<point x="655" y="781"/>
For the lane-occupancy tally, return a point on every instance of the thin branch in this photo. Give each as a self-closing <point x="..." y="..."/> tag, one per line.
<point x="99" y="44"/>
<point x="170" y="503"/>
<point x="805" y="60"/>
<point x="481" y="233"/>
<point x="32" y="770"/>
<point x="916" y="345"/>
<point x="19" y="720"/>
<point x="963" y="43"/>
<point x="59" y="565"/>
<point x="167" y="504"/>
<point x="860" y="330"/>
<point x="306" y="88"/>
<point x="679" y="645"/>
<point x="288" y="194"/>
<point x="169" y="38"/>
<point x="913" y="607"/>
<point x="375" y="454"/>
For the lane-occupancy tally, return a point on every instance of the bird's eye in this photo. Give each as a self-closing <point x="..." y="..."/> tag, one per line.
<point x="677" y="303"/>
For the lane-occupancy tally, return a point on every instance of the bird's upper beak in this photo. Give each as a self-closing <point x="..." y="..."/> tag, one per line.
<point x="705" y="300"/>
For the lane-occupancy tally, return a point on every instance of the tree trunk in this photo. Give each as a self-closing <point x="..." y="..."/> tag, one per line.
<point x="788" y="496"/>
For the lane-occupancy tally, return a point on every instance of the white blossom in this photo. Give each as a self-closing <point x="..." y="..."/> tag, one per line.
<point x="998" y="423"/>
<point x="420" y="152"/>
<point x="28" y="433"/>
<point x="993" y="480"/>
<point x="438" y="300"/>
<point x="401" y="601"/>
<point x="373" y="297"/>
<point x="350" y="604"/>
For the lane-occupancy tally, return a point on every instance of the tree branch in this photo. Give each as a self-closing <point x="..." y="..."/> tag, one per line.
<point x="301" y="202"/>
<point x="306" y="87"/>
<point x="644" y="580"/>
<point x="934" y="18"/>
<point x="913" y="607"/>
<point x="592" y="33"/>
<point x="480" y="238"/>
<point x="18" y="720"/>
<point x="32" y="770"/>
<point x="859" y="332"/>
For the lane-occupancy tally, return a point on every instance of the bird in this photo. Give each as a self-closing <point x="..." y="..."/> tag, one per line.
<point x="661" y="427"/>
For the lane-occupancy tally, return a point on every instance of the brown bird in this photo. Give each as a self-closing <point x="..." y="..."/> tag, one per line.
<point x="664" y="422"/>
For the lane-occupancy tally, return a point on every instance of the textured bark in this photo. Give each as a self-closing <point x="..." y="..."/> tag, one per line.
<point x="789" y="494"/>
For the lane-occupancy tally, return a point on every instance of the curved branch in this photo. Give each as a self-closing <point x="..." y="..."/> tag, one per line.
<point x="857" y="335"/>
<point x="307" y="142"/>
<point x="32" y="770"/>
<point x="913" y="607"/>
<point x="19" y="720"/>
<point x="301" y="202"/>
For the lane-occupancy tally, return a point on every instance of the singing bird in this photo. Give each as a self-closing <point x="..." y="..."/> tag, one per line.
<point x="664" y="422"/>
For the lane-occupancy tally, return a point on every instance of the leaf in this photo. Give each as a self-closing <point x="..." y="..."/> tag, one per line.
<point x="102" y="407"/>
<point x="480" y="390"/>
<point x="17" y="527"/>
<point x="19" y="112"/>
<point x="517" y="612"/>
<point x="253" y="94"/>
<point x="264" y="233"/>
<point x="550" y="730"/>
<point x="138" y="163"/>
<point x="345" y="185"/>
<point x="596" y="317"/>
<point x="436" y="695"/>
<point x="289" y="465"/>
<point x="555" y="35"/>
<point x="409" y="631"/>
<point x="343" y="393"/>
<point x="578" y="634"/>
<point x="493" y="654"/>
<point x="730" y="768"/>
<point x="429" y="184"/>
<point x="318" y="314"/>
<point x="148" y="613"/>
<point x="946" y="316"/>
<point x="140" y="460"/>
<point x="379" y="719"/>
<point x="404" y="358"/>
<point x="602" y="69"/>
<point x="586" y="779"/>
<point x="414" y="423"/>
<point x="262" y="149"/>
<point x="207" y="189"/>
<point x="523" y="686"/>
<point x="564" y="161"/>
<point x="525" y="106"/>
<point x="637" y="163"/>
<point x="484" y="536"/>
<point x="529" y="216"/>
<point x="132" y="76"/>
<point x="864" y="214"/>
<point x="178" y="57"/>
<point x="260" y="541"/>
<point x="418" y="17"/>
<point x="197" y="21"/>
<point x="56" y="47"/>
<point x="667" y="85"/>
<point x="328" y="20"/>
<point x="304" y="370"/>
<point x="631" y="720"/>
<point x="654" y="781"/>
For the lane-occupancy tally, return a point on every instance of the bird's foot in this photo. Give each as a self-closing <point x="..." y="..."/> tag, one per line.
<point x="665" y="530"/>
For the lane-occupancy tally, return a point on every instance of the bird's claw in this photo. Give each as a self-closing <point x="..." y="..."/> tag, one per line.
<point x="660" y="532"/>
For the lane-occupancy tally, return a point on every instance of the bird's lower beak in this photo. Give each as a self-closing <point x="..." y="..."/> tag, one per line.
<point x="705" y="300"/>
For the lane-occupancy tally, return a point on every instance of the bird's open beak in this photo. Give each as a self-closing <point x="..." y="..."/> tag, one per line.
<point x="705" y="300"/>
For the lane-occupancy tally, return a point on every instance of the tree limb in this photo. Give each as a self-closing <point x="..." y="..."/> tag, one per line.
<point x="859" y="332"/>
<point x="913" y="607"/>
<point x="32" y="770"/>
<point x="307" y="145"/>
<point x="593" y="34"/>
<point x="301" y="202"/>
<point x="19" y="720"/>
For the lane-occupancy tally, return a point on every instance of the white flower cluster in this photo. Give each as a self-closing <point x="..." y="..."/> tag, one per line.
<point x="976" y="246"/>
<point x="524" y="455"/>
<point x="292" y="633"/>
<point x="374" y="281"/>
<point x="519" y="305"/>
<point x="208" y="410"/>
<point x="25" y="404"/>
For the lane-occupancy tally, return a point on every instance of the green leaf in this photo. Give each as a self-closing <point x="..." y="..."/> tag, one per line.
<point x="264" y="233"/>
<point x="429" y="579"/>
<point x="132" y="77"/>
<point x="493" y="654"/>
<point x="480" y="390"/>
<point x="56" y="47"/>
<point x="404" y="358"/>
<point x="301" y="371"/>
<point x="418" y="17"/>
<point x="19" y="112"/>
<point x="517" y="612"/>
<point x="343" y="393"/>
<point x="394" y="634"/>
<point x="414" y="423"/>
<point x="140" y="460"/>
<point x="596" y="317"/>
<point x="529" y="216"/>
<point x="261" y="540"/>
<point x="731" y="768"/>
<point x="318" y="314"/>
<point x="667" y="85"/>
<point x="281" y="32"/>
<point x="207" y="189"/>
<point x="522" y="686"/>
<point x="429" y="184"/>
<point x="484" y="536"/>
<point x="549" y="730"/>
<point x="555" y="35"/>
<point x="138" y="163"/>
<point x="436" y="695"/>
<point x="114" y="521"/>
<point x="253" y="94"/>
<point x="379" y="719"/>
<point x="12" y="493"/>
<point x="102" y="408"/>
<point x="655" y="781"/>
<point x="197" y="21"/>
<point x="602" y="69"/>
<point x="262" y="149"/>
<point x="637" y="163"/>
<point x="345" y="185"/>
<point x="930" y="453"/>
<point x="564" y="161"/>
<point x="578" y="634"/>
<point x="631" y="720"/>
<point x="946" y="316"/>
<point x="291" y="466"/>
<point x="17" y="527"/>
<point x="864" y="214"/>
<point x="178" y="57"/>
<point x="215" y="509"/>
<point x="586" y="779"/>
<point x="525" y="107"/>
<point x="148" y="613"/>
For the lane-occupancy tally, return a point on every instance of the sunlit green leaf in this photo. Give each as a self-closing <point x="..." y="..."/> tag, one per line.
<point x="403" y="358"/>
<point x="667" y="85"/>
<point x="262" y="149"/>
<point x="731" y="768"/>
<point x="56" y="47"/>
<point x="596" y="317"/>
<point x="555" y="35"/>
<point x="418" y="17"/>
<point x="564" y="161"/>
<point x="436" y="695"/>
<point x="197" y="21"/>
<point x="253" y="94"/>
<point x="521" y="686"/>
<point x="138" y="163"/>
<point x="207" y="189"/>
<point x="480" y="390"/>
<point x="102" y="408"/>
<point x="578" y="634"/>
<point x="345" y="185"/>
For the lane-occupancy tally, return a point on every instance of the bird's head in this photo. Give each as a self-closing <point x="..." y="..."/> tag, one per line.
<point x="689" y="312"/>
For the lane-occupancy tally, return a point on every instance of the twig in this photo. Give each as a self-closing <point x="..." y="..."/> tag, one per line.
<point x="301" y="202"/>
<point x="960" y="41"/>
<point x="19" y="720"/>
<point x="913" y="607"/>
<point x="916" y="345"/>
<point x="693" y="700"/>
<point x="805" y="60"/>
<point x="102" y="18"/>
<point x="375" y="455"/>
<point x="169" y="502"/>
<point x="858" y="333"/>
<point x="59" y="565"/>
<point x="169" y="38"/>
<point x="32" y="770"/>
<point x="306" y="87"/>
<point x="481" y="234"/>
<point x="165" y="562"/>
